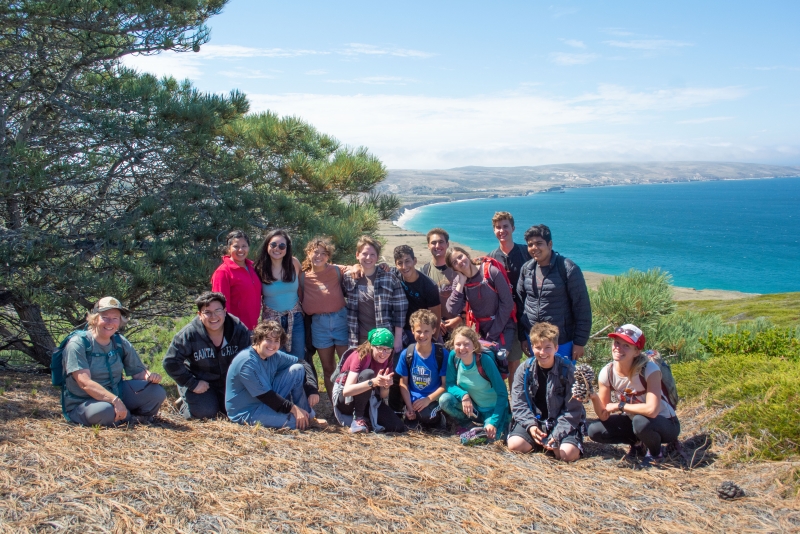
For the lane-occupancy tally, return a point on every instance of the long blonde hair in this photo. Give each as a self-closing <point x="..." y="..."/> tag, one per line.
<point x="638" y="365"/>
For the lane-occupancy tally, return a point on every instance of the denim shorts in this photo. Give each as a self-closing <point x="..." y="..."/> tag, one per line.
<point x="329" y="329"/>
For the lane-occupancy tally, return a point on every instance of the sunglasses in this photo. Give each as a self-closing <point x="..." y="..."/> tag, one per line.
<point x="279" y="246"/>
<point x="628" y="332"/>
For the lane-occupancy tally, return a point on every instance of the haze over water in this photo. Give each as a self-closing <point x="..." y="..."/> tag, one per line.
<point x="737" y="235"/>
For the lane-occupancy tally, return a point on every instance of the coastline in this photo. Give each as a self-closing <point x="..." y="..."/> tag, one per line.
<point x="393" y="235"/>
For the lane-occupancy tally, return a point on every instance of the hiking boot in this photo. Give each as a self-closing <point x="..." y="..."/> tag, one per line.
<point x="358" y="425"/>
<point x="636" y="451"/>
<point x="320" y="424"/>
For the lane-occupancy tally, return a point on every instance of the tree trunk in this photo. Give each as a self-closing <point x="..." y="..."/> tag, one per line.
<point x="30" y="315"/>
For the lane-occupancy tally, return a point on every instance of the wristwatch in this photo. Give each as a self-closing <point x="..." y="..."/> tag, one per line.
<point x="370" y="383"/>
<point x="621" y="407"/>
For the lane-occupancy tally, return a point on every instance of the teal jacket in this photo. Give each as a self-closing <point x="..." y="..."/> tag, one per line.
<point x="495" y="415"/>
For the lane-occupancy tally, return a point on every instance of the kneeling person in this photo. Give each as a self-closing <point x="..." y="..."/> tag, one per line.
<point x="547" y="416"/>
<point x="200" y="354"/>
<point x="271" y="387"/>
<point x="422" y="368"/>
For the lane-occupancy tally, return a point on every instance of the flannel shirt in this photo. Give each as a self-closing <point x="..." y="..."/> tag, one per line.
<point x="391" y="305"/>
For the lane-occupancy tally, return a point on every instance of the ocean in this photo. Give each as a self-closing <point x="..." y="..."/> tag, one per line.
<point x="741" y="235"/>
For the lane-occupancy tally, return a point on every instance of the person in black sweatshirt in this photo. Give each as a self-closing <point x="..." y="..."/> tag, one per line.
<point x="200" y="354"/>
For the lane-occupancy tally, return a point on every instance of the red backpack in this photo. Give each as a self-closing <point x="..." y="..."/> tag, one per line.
<point x="474" y="322"/>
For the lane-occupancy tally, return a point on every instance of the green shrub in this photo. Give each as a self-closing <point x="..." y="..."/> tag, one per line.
<point x="774" y="342"/>
<point x="635" y="297"/>
<point x="761" y="394"/>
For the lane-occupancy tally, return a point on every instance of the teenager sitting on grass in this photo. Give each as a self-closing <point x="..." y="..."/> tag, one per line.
<point x="546" y="415"/>
<point x="200" y="354"/>
<point x="94" y="360"/>
<point x="270" y="387"/>
<point x="471" y="397"/>
<point x="363" y="383"/>
<point x="643" y="417"/>
<point x="424" y="381"/>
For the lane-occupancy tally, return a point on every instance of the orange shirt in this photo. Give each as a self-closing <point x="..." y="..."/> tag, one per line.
<point x="322" y="292"/>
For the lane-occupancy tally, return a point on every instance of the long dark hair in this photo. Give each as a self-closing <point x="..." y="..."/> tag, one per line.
<point x="263" y="263"/>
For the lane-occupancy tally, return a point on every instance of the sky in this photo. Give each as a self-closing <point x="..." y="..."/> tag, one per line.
<point x="436" y="85"/>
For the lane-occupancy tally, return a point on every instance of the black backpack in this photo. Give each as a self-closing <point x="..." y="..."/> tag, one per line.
<point x="438" y="350"/>
<point x="344" y="357"/>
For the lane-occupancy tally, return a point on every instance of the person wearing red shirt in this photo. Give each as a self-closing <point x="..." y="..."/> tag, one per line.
<point x="238" y="281"/>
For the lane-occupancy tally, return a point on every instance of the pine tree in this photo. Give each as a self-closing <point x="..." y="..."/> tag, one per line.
<point x="116" y="183"/>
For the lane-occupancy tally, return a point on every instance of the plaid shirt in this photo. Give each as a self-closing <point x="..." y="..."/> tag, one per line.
<point x="391" y="305"/>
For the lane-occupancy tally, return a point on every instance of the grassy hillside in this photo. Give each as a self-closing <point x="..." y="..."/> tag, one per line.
<point x="782" y="309"/>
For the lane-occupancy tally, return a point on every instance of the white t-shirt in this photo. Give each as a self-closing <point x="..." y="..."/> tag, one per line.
<point x="633" y="391"/>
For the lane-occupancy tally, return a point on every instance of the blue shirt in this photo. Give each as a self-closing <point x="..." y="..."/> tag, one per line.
<point x="425" y="377"/>
<point x="250" y="376"/>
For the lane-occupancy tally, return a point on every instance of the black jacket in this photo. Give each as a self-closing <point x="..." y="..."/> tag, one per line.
<point x="191" y="356"/>
<point x="566" y="305"/>
<point x="565" y="412"/>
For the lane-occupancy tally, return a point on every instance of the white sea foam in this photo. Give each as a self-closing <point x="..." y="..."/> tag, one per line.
<point x="406" y="217"/>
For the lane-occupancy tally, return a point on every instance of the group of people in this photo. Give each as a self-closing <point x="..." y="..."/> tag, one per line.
<point x="416" y="348"/>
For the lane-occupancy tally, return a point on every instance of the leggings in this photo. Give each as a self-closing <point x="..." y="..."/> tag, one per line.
<point x="650" y="431"/>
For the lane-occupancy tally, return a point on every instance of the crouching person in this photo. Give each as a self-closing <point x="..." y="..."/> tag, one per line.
<point x="476" y="392"/>
<point x="362" y="386"/>
<point x="271" y="387"/>
<point x="422" y="368"/>
<point x="546" y="415"/>
<point x="200" y="354"/>
<point x="94" y="360"/>
<point x="643" y="418"/>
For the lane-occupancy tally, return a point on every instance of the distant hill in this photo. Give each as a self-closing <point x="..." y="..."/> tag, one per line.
<point x="421" y="186"/>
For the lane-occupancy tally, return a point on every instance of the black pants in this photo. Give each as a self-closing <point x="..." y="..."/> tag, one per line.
<point x="204" y="405"/>
<point x="430" y="416"/>
<point x="650" y="431"/>
<point x="360" y="407"/>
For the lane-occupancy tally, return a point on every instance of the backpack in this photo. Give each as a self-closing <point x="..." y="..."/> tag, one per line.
<point x="57" y="376"/>
<point x="474" y="322"/>
<point x="500" y="357"/>
<point x="344" y="357"/>
<point x="669" y="390"/>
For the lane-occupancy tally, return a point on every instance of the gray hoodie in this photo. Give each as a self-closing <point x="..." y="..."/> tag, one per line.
<point x="563" y="410"/>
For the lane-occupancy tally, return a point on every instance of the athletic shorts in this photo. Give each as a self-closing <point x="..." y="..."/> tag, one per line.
<point x="573" y="438"/>
<point x="329" y="329"/>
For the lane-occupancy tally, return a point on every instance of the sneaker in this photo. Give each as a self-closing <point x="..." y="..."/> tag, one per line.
<point x="358" y="425"/>
<point x="317" y="423"/>
<point x="650" y="461"/>
<point x="476" y="436"/>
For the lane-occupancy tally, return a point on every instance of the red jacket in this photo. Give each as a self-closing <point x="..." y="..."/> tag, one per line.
<point x="242" y="289"/>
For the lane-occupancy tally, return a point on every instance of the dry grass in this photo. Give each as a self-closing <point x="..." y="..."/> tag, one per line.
<point x="220" y="477"/>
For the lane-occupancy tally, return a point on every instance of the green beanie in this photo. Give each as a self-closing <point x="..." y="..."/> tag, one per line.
<point x="380" y="337"/>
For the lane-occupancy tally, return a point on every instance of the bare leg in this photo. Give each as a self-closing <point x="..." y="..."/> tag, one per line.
<point x="328" y="367"/>
<point x="512" y="369"/>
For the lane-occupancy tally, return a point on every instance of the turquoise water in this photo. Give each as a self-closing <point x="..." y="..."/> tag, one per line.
<point x="739" y="235"/>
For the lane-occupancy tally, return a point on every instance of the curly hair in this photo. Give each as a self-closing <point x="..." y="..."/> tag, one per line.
<point x="315" y="243"/>
<point x="266" y="330"/>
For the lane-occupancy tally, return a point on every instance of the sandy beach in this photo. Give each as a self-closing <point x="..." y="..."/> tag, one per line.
<point x="393" y="235"/>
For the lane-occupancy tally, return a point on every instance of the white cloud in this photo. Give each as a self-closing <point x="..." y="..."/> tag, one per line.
<point x="566" y="58"/>
<point x="211" y="51"/>
<point x="355" y="49"/>
<point x="611" y="123"/>
<point x="317" y="72"/>
<point x="246" y="74"/>
<point x="377" y="80"/>
<point x="705" y="120"/>
<point x="574" y="43"/>
<point x="778" y="67"/>
<point x="179" y="66"/>
<point x="648" y="44"/>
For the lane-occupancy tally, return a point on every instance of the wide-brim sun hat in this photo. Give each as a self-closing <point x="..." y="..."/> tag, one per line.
<point x="110" y="303"/>
<point x="630" y="334"/>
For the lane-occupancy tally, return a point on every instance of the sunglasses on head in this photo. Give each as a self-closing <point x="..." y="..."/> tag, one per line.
<point x="627" y="331"/>
<point x="279" y="246"/>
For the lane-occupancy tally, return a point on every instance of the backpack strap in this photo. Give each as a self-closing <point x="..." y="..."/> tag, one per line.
<point x="479" y="365"/>
<point x="410" y="357"/>
<point x="440" y="359"/>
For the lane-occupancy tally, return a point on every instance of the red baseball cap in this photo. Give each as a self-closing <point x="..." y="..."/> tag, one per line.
<point x="630" y="334"/>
